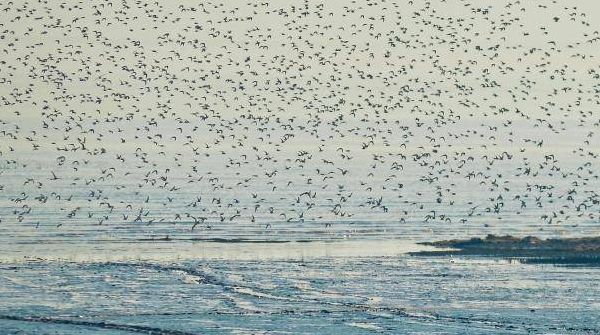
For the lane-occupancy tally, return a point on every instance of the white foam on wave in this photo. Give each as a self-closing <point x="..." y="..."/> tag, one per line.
<point x="364" y="325"/>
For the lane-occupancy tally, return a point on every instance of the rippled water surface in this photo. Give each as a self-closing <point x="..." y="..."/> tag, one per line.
<point x="398" y="294"/>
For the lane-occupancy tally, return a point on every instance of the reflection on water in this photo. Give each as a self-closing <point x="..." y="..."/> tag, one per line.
<point x="190" y="250"/>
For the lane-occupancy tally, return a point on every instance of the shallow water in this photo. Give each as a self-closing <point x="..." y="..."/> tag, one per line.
<point x="392" y="294"/>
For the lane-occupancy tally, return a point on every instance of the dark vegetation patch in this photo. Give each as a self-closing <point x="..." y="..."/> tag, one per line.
<point x="529" y="249"/>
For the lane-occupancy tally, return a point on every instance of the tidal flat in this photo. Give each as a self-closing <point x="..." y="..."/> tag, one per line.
<point x="301" y="294"/>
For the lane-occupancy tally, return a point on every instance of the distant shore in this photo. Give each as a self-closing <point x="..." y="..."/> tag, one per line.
<point x="529" y="249"/>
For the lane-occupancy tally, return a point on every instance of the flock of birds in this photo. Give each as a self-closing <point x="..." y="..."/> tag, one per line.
<point x="266" y="114"/>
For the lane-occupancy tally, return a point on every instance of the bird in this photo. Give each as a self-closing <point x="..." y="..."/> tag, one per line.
<point x="316" y="115"/>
